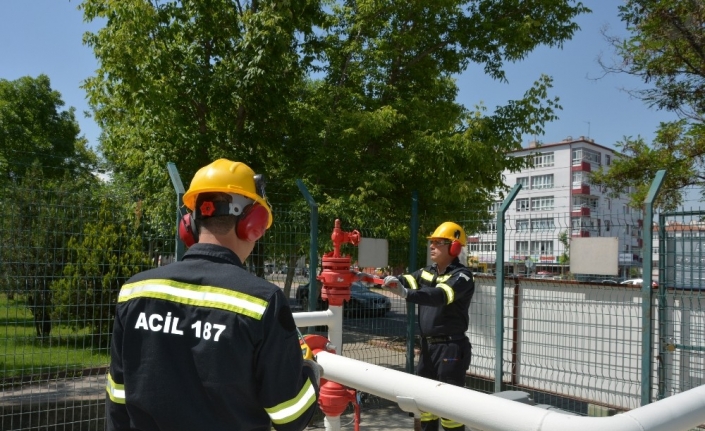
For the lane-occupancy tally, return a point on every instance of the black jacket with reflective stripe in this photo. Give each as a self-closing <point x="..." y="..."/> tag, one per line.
<point x="443" y="299"/>
<point x="202" y="344"/>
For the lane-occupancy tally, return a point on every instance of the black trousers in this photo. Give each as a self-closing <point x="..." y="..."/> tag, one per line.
<point x="445" y="362"/>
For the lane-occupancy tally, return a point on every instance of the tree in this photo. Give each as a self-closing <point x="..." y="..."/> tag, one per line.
<point x="107" y="252"/>
<point x="33" y="128"/>
<point x="666" y="49"/>
<point x="564" y="258"/>
<point x="34" y="251"/>
<point x="43" y="161"/>
<point x="357" y="99"/>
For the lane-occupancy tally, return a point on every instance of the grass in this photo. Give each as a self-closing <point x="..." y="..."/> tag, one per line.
<point x="26" y="357"/>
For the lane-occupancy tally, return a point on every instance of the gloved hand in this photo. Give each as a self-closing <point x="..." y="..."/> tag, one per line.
<point x="317" y="370"/>
<point x="392" y="284"/>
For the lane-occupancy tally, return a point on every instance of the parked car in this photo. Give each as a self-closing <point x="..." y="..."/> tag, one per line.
<point x="363" y="301"/>
<point x="638" y="281"/>
<point x="604" y="281"/>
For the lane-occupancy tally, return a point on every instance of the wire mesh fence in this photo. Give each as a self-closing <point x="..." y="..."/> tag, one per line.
<point x="571" y="339"/>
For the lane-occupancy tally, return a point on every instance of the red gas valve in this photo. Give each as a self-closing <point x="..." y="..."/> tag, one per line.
<point x="336" y="276"/>
<point x="334" y="397"/>
<point x="341" y="237"/>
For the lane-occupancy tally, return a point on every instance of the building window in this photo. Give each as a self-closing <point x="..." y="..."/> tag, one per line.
<point x="542" y="248"/>
<point x="543" y="203"/>
<point x="522" y="225"/>
<point x="522" y="248"/>
<point x="488" y="246"/>
<point x="584" y="202"/>
<point x="607" y="225"/>
<point x="491" y="227"/>
<point x="495" y="206"/>
<point x="580" y="178"/>
<point x="583" y="154"/>
<point x="608" y="203"/>
<point x="608" y="159"/>
<point x="542" y="224"/>
<point x="522" y="205"/>
<point x="542" y="182"/>
<point x="543" y="160"/>
<point x="524" y="181"/>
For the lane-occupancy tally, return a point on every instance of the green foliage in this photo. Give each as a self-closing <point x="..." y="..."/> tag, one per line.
<point x="34" y="129"/>
<point x="190" y="82"/>
<point x="563" y="238"/>
<point x="45" y="171"/>
<point x="353" y="96"/>
<point x="665" y="49"/>
<point x="107" y="253"/>
<point x="33" y="252"/>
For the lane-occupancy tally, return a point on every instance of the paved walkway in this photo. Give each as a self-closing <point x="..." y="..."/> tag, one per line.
<point x="381" y="415"/>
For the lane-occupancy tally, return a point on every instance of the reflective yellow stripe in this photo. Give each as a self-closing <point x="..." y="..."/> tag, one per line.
<point x="450" y="293"/>
<point x="426" y="416"/>
<point x="115" y="391"/>
<point x="425" y="275"/>
<point x="295" y="407"/>
<point x="447" y="423"/>
<point x="192" y="294"/>
<point x="411" y="281"/>
<point x="443" y="278"/>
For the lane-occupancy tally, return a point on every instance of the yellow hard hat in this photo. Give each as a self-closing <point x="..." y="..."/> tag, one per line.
<point x="450" y="231"/>
<point x="226" y="176"/>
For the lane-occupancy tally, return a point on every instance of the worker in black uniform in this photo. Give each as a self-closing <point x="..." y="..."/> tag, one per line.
<point x="202" y="344"/>
<point x="443" y="292"/>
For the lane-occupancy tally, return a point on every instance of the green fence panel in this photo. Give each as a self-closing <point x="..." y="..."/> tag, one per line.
<point x="574" y="341"/>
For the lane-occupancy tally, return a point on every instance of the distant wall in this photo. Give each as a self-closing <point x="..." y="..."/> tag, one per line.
<point x="583" y="340"/>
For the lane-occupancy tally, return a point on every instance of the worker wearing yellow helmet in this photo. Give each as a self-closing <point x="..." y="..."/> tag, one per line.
<point x="202" y="343"/>
<point x="443" y="292"/>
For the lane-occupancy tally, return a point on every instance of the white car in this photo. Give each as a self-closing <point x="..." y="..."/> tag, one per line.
<point x="638" y="281"/>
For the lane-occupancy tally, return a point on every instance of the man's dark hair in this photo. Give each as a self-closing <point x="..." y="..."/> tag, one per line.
<point x="218" y="225"/>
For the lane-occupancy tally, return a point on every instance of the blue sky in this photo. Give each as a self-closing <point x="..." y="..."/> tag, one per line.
<point x="45" y="36"/>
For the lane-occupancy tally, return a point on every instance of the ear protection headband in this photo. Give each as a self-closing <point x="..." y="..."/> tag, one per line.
<point x="250" y="225"/>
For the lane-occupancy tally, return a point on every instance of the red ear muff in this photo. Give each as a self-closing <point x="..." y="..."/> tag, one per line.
<point x="188" y="233"/>
<point x="455" y="248"/>
<point x="252" y="223"/>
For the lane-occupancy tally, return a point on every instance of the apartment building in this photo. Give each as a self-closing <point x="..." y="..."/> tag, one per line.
<point x="556" y="203"/>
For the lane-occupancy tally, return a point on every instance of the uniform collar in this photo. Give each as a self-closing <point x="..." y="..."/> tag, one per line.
<point x="453" y="265"/>
<point x="212" y="251"/>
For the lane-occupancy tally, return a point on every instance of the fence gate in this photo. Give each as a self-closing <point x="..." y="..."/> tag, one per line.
<point x="680" y="319"/>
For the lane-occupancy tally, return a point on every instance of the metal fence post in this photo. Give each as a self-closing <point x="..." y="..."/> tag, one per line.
<point x="410" y="307"/>
<point x="179" y="188"/>
<point x="647" y="342"/>
<point x="499" y="305"/>
<point x="313" y="248"/>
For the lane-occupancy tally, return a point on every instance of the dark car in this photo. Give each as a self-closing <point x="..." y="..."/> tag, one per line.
<point x="363" y="301"/>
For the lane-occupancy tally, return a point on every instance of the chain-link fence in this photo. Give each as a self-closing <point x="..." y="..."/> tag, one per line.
<point x="572" y="340"/>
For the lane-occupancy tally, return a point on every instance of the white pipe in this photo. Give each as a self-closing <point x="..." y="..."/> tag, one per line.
<point x="489" y="413"/>
<point x="332" y="423"/>
<point x="333" y="318"/>
<point x="312" y="318"/>
<point x="335" y="328"/>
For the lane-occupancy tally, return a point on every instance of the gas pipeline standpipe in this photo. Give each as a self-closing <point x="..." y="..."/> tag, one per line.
<point x="336" y="278"/>
<point x="336" y="275"/>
